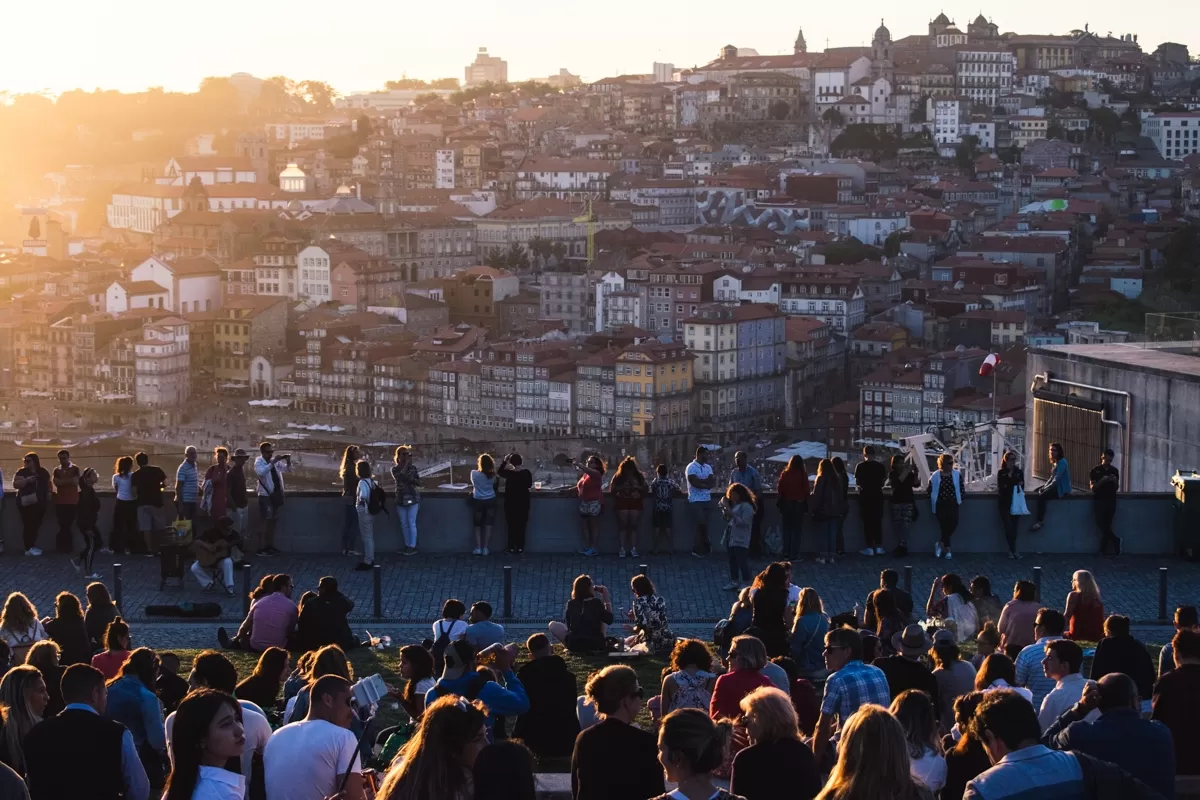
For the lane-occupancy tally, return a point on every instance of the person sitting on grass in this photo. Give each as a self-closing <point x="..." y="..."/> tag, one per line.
<point x="691" y="681"/>
<point x="587" y="617"/>
<point x="461" y="677"/>
<point x="776" y="756"/>
<point x="271" y="621"/>
<point x="550" y="725"/>
<point x="210" y="733"/>
<point x="170" y="688"/>
<point x="116" y="644"/>
<point x="614" y="759"/>
<point x="690" y="748"/>
<point x="262" y="686"/>
<point x="437" y="761"/>
<point x="324" y="618"/>
<point x="481" y="631"/>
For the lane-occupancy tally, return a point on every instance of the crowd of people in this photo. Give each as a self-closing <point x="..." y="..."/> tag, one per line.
<point x="865" y="704"/>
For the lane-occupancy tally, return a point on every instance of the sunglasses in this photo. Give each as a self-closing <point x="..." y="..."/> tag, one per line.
<point x="832" y="647"/>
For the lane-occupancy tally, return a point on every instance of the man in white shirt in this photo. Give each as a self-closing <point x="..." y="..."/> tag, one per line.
<point x="1062" y="663"/>
<point x="312" y="758"/>
<point x="700" y="481"/>
<point x="211" y="670"/>
<point x="269" y="469"/>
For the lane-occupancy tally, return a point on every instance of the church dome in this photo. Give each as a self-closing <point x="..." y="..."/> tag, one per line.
<point x="882" y="33"/>
<point x="941" y="19"/>
<point x="980" y="20"/>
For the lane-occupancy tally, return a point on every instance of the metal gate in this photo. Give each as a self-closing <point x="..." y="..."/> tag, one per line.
<point x="1078" y="425"/>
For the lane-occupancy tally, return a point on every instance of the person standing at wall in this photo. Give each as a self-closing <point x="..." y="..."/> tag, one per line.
<point x="187" y="486"/>
<point x="408" y="498"/>
<point x="239" y="503"/>
<point x="124" y="519"/>
<point x="148" y="483"/>
<point x="945" y="496"/>
<point x="1009" y="480"/>
<point x="793" y="492"/>
<point x="66" y="499"/>
<point x="349" y="475"/>
<point x="366" y="517"/>
<point x="1058" y="486"/>
<point x="748" y="476"/>
<point x="32" y="483"/>
<point x="1104" y="481"/>
<point x="269" y="469"/>
<point x="700" y="480"/>
<point x="903" y="479"/>
<point x="869" y="476"/>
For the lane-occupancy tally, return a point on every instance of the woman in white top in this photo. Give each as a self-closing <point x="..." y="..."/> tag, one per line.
<point x="999" y="672"/>
<point x="207" y="733"/>
<point x="451" y="624"/>
<point x="483" y="502"/>
<point x="950" y="601"/>
<point x="20" y="627"/>
<point x="124" y="519"/>
<point x="366" y="525"/>
<point x="915" y="711"/>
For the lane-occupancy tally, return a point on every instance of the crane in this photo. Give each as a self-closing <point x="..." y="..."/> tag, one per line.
<point x="589" y="217"/>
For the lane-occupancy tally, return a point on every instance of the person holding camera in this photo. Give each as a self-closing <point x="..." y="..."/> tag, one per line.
<point x="269" y="468"/>
<point x="590" y="490"/>
<point x="518" y="481"/>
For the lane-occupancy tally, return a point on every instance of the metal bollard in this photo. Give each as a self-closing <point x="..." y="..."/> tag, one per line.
<point x="643" y="569"/>
<point x="377" y="572"/>
<point x="508" y="592"/>
<point x="908" y="578"/>
<point x="1037" y="582"/>
<point x="1162" y="594"/>
<point x="247" y="584"/>
<point x="117" y="590"/>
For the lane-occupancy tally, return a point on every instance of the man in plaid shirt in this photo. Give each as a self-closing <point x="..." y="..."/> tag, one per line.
<point x="850" y="684"/>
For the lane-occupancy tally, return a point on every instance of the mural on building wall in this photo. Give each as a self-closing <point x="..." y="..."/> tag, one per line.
<point x="730" y="207"/>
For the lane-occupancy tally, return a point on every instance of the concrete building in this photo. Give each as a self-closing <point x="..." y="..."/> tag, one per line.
<point x="486" y="69"/>
<point x="653" y="390"/>
<point x="1175" y="134"/>
<point x="162" y="366"/>
<point x="571" y="297"/>
<point x="838" y="300"/>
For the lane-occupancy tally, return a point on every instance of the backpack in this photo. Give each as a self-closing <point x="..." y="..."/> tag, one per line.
<point x="377" y="501"/>
<point x="438" y="651"/>
<point x="723" y="633"/>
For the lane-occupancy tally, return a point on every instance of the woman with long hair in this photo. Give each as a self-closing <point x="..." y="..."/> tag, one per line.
<point x="873" y="760"/>
<point x="903" y="479"/>
<point x="776" y="756"/>
<point x="648" y="612"/>
<point x="628" y="488"/>
<point x="689" y="684"/>
<point x="1009" y="479"/>
<point x="438" y="760"/>
<point x="207" y="733"/>
<point x="965" y="757"/>
<point x="738" y="506"/>
<point x="954" y="676"/>
<point x="45" y="656"/>
<point x="262" y="686"/>
<point x="888" y="622"/>
<point x="945" y="496"/>
<point x="950" y="601"/>
<point x="1085" y="609"/>
<point x="999" y="672"/>
<point x="839" y="468"/>
<point x="349" y="475"/>
<point x="916" y="714"/>
<point x="586" y="617"/>
<point x="505" y="771"/>
<point x="23" y="700"/>
<point x="19" y="626"/>
<point x="828" y="504"/>
<point x="87" y="516"/>
<point x="124" y="517"/>
<point x="483" y="502"/>
<point x="793" y="492"/>
<point x="808" y="634"/>
<point x="32" y="483"/>
<point x="769" y="599"/>
<point x="408" y="497"/>
<point x="590" y="491"/>
<point x="69" y="630"/>
<point x="116" y="649"/>
<point x="133" y="703"/>
<point x="366" y="522"/>
<point x="416" y="667"/>
<point x="101" y="610"/>
<point x="690" y="748"/>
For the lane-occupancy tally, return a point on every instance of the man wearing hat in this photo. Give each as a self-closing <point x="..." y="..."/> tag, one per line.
<point x="461" y="677"/>
<point x="904" y="670"/>
<point x="236" y="483"/>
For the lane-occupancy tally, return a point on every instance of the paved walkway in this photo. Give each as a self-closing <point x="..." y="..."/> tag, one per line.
<point x="413" y="589"/>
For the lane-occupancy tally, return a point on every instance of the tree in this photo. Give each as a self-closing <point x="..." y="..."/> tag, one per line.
<point x="920" y="110"/>
<point x="779" y="110"/>
<point x="516" y="259"/>
<point x="965" y="152"/>
<point x="834" y="117"/>
<point x="540" y="249"/>
<point x="891" y="245"/>
<point x="560" y="251"/>
<point x="318" y="94"/>
<point x="496" y="258"/>
<point x="1010" y="155"/>
<point x="408" y="83"/>
<point x="218" y="96"/>
<point x="277" y="95"/>
<point x="1105" y="122"/>
<point x="35" y="229"/>
<point x="1055" y="131"/>
<point x="444" y="83"/>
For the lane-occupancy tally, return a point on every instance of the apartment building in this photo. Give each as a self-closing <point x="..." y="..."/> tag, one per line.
<point x="740" y="359"/>
<point x="653" y="390"/>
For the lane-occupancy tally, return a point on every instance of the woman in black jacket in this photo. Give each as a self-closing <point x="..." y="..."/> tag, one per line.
<point x="349" y="478"/>
<point x="1118" y="651"/>
<point x="1008" y="479"/>
<point x="68" y="630"/>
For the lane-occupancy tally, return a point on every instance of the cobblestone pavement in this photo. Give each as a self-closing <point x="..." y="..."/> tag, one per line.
<point x="413" y="589"/>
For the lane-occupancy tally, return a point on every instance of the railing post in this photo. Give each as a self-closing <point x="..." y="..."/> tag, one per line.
<point x="118" y="591"/>
<point x="1037" y="582"/>
<point x="377" y="572"/>
<point x="247" y="582"/>
<point x="643" y="569"/>
<point x="508" y="592"/>
<point x="1162" y="594"/>
<point x="908" y="578"/>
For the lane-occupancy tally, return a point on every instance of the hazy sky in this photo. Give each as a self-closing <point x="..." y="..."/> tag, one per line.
<point x="133" y="44"/>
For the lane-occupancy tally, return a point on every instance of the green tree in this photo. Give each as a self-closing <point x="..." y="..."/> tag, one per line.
<point x="540" y="249"/>
<point x="833" y="117"/>
<point x="1105" y="122"/>
<point x="35" y="229"/>
<point x="891" y="245"/>
<point x="1010" y="155"/>
<point x="965" y="153"/>
<point x="428" y="97"/>
<point x="516" y="259"/>
<point x="779" y="110"/>
<point x="406" y="83"/>
<point x="317" y="94"/>
<point x="444" y="83"/>
<point x="1055" y="131"/>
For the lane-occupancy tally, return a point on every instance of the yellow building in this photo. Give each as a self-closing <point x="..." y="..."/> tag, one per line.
<point x="654" y="389"/>
<point x="246" y="326"/>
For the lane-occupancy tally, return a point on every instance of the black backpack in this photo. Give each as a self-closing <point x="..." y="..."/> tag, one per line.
<point x="438" y="651"/>
<point x="377" y="501"/>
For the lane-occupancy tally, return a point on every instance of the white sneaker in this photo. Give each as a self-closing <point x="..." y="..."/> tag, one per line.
<point x="477" y="552"/>
<point x="622" y="553"/>
<point x="730" y="587"/>
<point x="634" y="553"/>
<point x="485" y="551"/>
<point x="33" y="551"/>
<point x="879" y="551"/>
<point x="948" y="556"/>
<point x="95" y="576"/>
<point x="937" y="550"/>
<point x="104" y="551"/>
<point x="866" y="551"/>
<point x="820" y="559"/>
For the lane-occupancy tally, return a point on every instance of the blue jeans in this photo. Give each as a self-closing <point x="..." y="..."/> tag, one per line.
<point x="739" y="559"/>
<point x="832" y="526"/>
<point x="350" y="529"/>
<point x="406" y="518"/>
<point x="791" y="513"/>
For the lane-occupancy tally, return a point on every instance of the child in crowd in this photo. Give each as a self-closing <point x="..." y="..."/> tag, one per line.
<point x="664" y="491"/>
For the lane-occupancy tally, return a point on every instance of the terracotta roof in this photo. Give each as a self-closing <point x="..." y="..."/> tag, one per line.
<point x="142" y="287"/>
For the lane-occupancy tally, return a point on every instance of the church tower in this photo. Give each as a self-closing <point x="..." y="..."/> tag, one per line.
<point x="881" y="53"/>
<point x="195" y="196"/>
<point x="801" y="46"/>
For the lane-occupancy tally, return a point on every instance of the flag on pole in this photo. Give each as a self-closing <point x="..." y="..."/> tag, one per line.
<point x="988" y="365"/>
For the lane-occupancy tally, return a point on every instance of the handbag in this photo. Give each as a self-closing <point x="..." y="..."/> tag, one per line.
<point x="30" y="499"/>
<point x="1019" y="507"/>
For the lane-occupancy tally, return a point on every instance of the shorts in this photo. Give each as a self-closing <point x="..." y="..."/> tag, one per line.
<point x="483" y="512"/>
<point x="589" y="508"/>
<point x="662" y="519"/>
<point x="266" y="509"/>
<point x="150" y="518"/>
<point x="699" y="513"/>
<point x="628" y="503"/>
